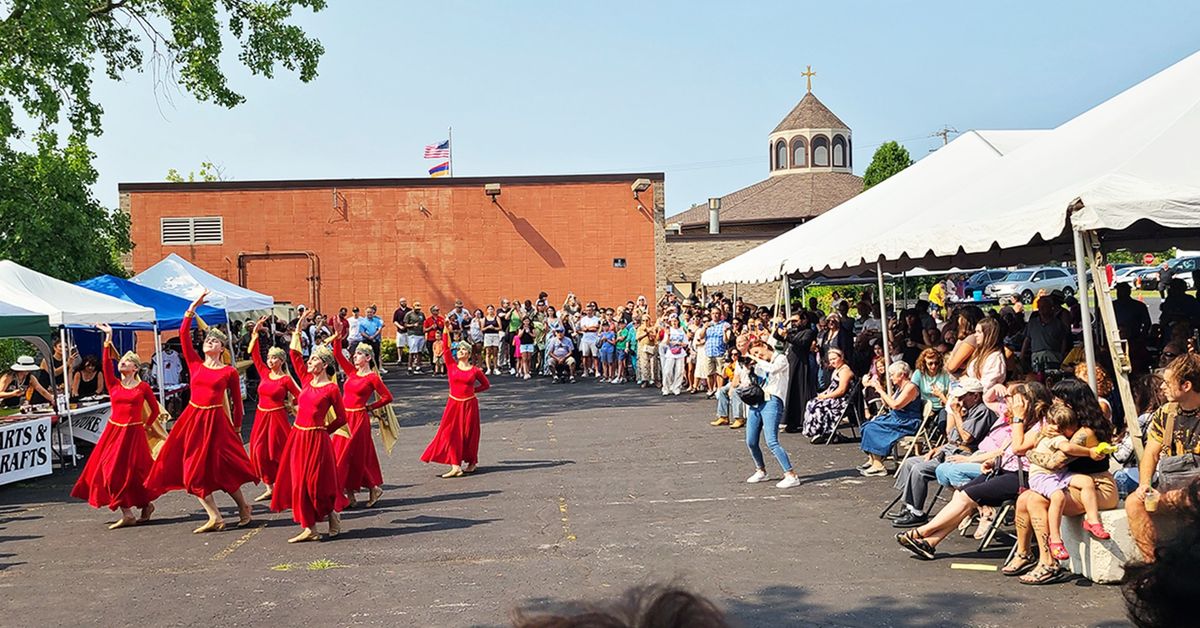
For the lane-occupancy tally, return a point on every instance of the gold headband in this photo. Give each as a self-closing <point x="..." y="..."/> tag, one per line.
<point x="277" y="352"/>
<point x="132" y="357"/>
<point x="365" y="349"/>
<point x="218" y="335"/>
<point x="324" y="353"/>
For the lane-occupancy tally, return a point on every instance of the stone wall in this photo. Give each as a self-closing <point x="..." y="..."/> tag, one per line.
<point x="688" y="256"/>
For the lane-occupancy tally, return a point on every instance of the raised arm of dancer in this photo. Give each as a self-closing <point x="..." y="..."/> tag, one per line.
<point x="447" y="354"/>
<point x="190" y="356"/>
<point x="107" y="356"/>
<point x="264" y="371"/>
<point x="346" y="365"/>
<point x="297" y="358"/>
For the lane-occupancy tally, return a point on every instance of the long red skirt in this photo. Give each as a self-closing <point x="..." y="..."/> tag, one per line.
<point x="267" y="437"/>
<point x="357" y="461"/>
<point x="202" y="455"/>
<point x="115" y="473"/>
<point x="457" y="438"/>
<point x="307" y="482"/>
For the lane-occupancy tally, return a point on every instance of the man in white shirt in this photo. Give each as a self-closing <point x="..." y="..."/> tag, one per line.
<point x="353" y="333"/>
<point x="589" y="326"/>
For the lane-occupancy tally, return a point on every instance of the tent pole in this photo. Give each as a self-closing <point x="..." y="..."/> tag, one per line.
<point x="787" y="297"/>
<point x="1085" y="307"/>
<point x="66" y="409"/>
<point x="1117" y="347"/>
<point x="887" y="350"/>
<point x="160" y="375"/>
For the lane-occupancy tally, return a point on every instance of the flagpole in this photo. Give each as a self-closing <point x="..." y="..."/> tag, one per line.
<point x="450" y="141"/>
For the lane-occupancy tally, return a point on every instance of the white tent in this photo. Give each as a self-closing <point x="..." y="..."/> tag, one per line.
<point x="64" y="303"/>
<point x="1127" y="167"/>
<point x="874" y="213"/>
<point x="175" y="275"/>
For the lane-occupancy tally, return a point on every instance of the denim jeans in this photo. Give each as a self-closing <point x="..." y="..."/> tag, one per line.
<point x="729" y="405"/>
<point x="955" y="474"/>
<point x="764" y="419"/>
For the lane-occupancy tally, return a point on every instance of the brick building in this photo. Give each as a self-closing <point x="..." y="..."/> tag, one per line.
<point x="331" y="243"/>
<point x="810" y="172"/>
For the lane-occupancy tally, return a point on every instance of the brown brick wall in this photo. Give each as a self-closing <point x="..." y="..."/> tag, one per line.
<point x="432" y="243"/>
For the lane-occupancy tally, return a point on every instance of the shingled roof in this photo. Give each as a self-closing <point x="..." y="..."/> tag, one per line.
<point x="810" y="113"/>
<point x="793" y="196"/>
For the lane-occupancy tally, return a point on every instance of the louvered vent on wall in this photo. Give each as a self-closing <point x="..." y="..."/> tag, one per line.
<point x="199" y="230"/>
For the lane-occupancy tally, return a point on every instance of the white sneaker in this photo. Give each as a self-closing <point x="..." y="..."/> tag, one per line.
<point x="383" y="371"/>
<point x="512" y="371"/>
<point x="526" y="376"/>
<point x="788" y="481"/>
<point x="759" y="476"/>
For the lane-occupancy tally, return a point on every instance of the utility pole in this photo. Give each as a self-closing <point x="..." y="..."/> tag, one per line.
<point x="944" y="133"/>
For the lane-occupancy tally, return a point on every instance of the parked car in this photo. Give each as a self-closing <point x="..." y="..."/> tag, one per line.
<point x="1129" y="275"/>
<point x="1147" y="279"/>
<point x="1024" y="284"/>
<point x="981" y="280"/>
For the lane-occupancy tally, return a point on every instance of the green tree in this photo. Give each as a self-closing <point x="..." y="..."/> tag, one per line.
<point x="889" y="159"/>
<point x="50" y="220"/>
<point x="47" y="52"/>
<point x="208" y="172"/>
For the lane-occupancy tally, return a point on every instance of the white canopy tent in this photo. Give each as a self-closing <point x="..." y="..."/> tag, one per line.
<point x="175" y="275"/>
<point x="64" y="303"/>
<point x="875" y="212"/>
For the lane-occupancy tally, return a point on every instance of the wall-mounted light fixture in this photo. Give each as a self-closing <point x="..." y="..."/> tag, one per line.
<point x="640" y="185"/>
<point x="492" y="190"/>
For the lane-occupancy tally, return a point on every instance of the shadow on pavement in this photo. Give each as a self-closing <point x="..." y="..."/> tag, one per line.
<point x="414" y="525"/>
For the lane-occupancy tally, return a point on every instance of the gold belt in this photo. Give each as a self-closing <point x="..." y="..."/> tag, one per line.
<point x="356" y="409"/>
<point x="111" y="422"/>
<point x="262" y="409"/>
<point x="308" y="428"/>
<point x="200" y="407"/>
<point x="461" y="399"/>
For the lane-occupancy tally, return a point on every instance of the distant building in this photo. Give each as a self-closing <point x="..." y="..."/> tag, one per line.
<point x="342" y="242"/>
<point x="811" y="171"/>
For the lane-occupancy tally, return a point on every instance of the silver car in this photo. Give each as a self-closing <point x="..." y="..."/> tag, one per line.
<point x="1024" y="284"/>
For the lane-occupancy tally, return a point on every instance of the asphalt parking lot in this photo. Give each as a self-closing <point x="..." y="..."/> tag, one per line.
<point x="584" y="490"/>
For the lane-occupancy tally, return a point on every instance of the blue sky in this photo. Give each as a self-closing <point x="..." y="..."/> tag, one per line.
<point x="689" y="88"/>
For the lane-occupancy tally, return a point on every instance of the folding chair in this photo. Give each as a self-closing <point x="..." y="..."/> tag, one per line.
<point x="1007" y="508"/>
<point x="922" y="433"/>
<point x="852" y="415"/>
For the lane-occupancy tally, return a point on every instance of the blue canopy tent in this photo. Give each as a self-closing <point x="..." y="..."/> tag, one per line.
<point x="168" y="310"/>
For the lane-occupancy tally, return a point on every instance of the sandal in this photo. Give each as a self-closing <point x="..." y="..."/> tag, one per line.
<point x="1097" y="530"/>
<point x="912" y="542"/>
<point x="1043" y="574"/>
<point x="1058" y="551"/>
<point x="1013" y="568"/>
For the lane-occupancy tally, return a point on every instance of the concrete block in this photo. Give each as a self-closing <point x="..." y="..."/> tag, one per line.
<point x="1101" y="562"/>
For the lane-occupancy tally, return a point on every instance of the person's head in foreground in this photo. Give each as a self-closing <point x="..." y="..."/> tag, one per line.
<point x="654" y="606"/>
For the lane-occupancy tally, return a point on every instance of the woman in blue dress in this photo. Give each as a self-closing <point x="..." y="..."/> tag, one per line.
<point x="902" y="419"/>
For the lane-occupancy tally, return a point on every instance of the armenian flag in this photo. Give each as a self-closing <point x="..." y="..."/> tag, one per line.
<point x="440" y="170"/>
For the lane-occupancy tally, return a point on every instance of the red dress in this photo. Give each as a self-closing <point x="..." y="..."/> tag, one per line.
<point x="115" y="474"/>
<point x="308" y="481"/>
<point x="204" y="453"/>
<point x="457" y="438"/>
<point x="358" y="463"/>
<point x="271" y="426"/>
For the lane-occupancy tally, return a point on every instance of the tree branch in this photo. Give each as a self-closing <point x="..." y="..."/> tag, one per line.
<point x="107" y="8"/>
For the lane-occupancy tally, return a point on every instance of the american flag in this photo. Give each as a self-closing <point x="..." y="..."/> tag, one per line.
<point x="438" y="151"/>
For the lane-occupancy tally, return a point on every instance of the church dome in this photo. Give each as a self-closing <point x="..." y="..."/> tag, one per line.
<point x="810" y="139"/>
<point x="809" y="113"/>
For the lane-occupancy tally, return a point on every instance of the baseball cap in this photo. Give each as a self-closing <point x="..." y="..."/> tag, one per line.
<point x="966" y="385"/>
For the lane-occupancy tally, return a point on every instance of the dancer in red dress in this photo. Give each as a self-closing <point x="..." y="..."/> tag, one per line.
<point x="271" y="426"/>
<point x="308" y="481"/>
<point x="457" y="440"/>
<point x="204" y="453"/>
<point x="358" y="463"/>
<point x="115" y="474"/>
